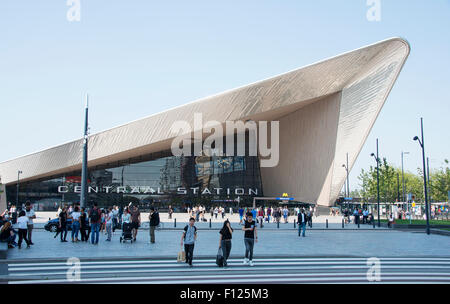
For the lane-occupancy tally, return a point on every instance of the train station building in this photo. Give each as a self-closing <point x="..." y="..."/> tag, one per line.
<point x="324" y="111"/>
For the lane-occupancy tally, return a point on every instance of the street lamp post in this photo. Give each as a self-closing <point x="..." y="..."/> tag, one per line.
<point x="84" y="169"/>
<point x="17" y="193"/>
<point x="378" y="185"/>
<point x="403" y="185"/>
<point x="422" y="145"/>
<point x="428" y="181"/>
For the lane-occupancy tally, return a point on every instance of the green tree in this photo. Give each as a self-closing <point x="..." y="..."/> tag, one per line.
<point x="390" y="186"/>
<point x="440" y="183"/>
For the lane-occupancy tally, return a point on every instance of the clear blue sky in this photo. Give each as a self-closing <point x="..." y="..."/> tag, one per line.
<point x="136" y="58"/>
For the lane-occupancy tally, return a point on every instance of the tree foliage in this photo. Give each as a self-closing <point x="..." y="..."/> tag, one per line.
<point x="391" y="187"/>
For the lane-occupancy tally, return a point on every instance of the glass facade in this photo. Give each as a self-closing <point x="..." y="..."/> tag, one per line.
<point x="162" y="180"/>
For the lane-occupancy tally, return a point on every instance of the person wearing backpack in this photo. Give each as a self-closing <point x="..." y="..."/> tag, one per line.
<point x="95" y="219"/>
<point x="188" y="238"/>
<point x="154" y="222"/>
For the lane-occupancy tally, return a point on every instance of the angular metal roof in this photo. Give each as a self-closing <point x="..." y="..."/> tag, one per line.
<point x="364" y="76"/>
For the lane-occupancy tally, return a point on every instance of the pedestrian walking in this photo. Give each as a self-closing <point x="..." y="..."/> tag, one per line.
<point x="103" y="223"/>
<point x="135" y="221"/>
<point x="62" y="225"/>
<point x="84" y="225"/>
<point x="250" y="237"/>
<point x="170" y="212"/>
<point x="188" y="238"/>
<point x="22" y="223"/>
<point x="285" y="214"/>
<point x="301" y="220"/>
<point x="216" y="212"/>
<point x="75" y="216"/>
<point x="115" y="218"/>
<point x="95" y="219"/>
<point x="225" y="240"/>
<point x="309" y="217"/>
<point x="109" y="223"/>
<point x="154" y="222"/>
<point x="261" y="216"/>
<point x="31" y="216"/>
<point x="241" y="215"/>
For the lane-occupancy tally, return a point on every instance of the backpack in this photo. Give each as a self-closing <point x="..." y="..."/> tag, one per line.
<point x="186" y="229"/>
<point x="157" y="218"/>
<point x="94" y="216"/>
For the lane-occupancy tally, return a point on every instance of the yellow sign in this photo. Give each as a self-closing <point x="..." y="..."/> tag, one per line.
<point x="285" y="195"/>
<point x="413" y="204"/>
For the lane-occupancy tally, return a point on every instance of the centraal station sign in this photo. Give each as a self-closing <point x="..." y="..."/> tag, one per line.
<point x="157" y="191"/>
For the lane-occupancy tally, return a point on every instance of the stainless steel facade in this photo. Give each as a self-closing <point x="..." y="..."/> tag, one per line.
<point x="361" y="80"/>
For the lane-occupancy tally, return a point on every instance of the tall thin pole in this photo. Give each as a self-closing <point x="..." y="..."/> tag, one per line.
<point x="17" y="192"/>
<point x="428" y="180"/>
<point x="398" y="188"/>
<point x="403" y="184"/>
<point x="85" y="157"/>
<point x="378" y="188"/>
<point x="427" y="211"/>
<point x="348" y="183"/>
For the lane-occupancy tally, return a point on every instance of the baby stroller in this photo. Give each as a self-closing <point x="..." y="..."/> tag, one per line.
<point x="126" y="233"/>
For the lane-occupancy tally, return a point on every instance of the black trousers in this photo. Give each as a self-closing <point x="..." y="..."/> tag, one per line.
<point x="189" y="249"/>
<point x="84" y="236"/>
<point x="226" y="249"/>
<point x="63" y="231"/>
<point x="23" y="236"/>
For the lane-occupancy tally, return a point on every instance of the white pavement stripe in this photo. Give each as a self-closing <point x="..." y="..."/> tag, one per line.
<point x="279" y="263"/>
<point x="251" y="278"/>
<point x="13" y="264"/>
<point x="211" y="269"/>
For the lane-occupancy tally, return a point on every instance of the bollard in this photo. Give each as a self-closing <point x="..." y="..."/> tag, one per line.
<point x="209" y="223"/>
<point x="174" y="223"/>
<point x="358" y="224"/>
<point x="342" y="223"/>
<point x="327" y="223"/>
<point x="294" y="223"/>
<point x="278" y="224"/>
<point x="373" y="223"/>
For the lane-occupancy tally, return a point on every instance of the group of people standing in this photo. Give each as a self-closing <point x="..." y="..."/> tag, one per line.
<point x="94" y="221"/>
<point x="17" y="222"/>
<point x="189" y="238"/>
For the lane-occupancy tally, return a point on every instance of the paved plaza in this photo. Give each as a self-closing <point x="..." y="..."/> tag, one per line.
<point x="272" y="243"/>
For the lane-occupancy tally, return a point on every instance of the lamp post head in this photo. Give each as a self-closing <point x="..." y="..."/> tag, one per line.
<point x="416" y="138"/>
<point x="373" y="155"/>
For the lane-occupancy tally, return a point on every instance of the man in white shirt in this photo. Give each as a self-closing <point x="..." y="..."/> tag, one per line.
<point x="22" y="223"/>
<point x="29" y="212"/>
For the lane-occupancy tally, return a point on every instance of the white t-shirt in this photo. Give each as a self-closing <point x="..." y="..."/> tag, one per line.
<point x="30" y="214"/>
<point x="22" y="222"/>
<point x="109" y="217"/>
<point x="76" y="215"/>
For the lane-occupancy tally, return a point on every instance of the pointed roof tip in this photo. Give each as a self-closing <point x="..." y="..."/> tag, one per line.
<point x="87" y="101"/>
